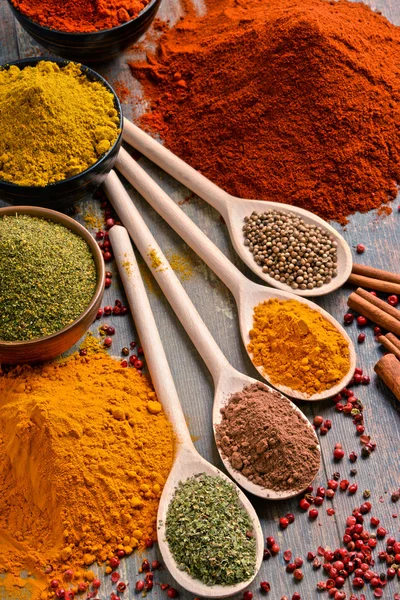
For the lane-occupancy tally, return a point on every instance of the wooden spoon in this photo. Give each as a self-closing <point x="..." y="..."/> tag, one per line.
<point x="227" y="380"/>
<point x="246" y="293"/>
<point x="188" y="461"/>
<point x="233" y="210"/>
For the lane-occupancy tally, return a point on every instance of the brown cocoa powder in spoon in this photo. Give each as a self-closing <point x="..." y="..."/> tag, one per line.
<point x="267" y="441"/>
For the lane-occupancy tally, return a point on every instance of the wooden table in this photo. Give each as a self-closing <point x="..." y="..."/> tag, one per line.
<point x="380" y="473"/>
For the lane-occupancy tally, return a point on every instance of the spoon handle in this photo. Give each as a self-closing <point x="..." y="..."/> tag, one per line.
<point x="180" y="222"/>
<point x="149" y="337"/>
<point x="176" y="167"/>
<point x="166" y="278"/>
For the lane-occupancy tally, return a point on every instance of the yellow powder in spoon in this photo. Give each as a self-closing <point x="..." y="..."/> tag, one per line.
<point x="297" y="347"/>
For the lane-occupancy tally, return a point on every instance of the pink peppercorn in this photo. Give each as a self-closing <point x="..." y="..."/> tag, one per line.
<point x="290" y="517"/>
<point x="247" y="596"/>
<point x="283" y="522"/>
<point x="381" y="532"/>
<point x="270" y="541"/>
<point x="348" y="318"/>
<point x="121" y="587"/>
<point x="296" y="596"/>
<point x="338" y="453"/>
<point x="304" y="504"/>
<point x="298" y="574"/>
<point x="265" y="587"/>
<point x="360" y="248"/>
<point x="313" y="513"/>
<point x="275" y="549"/>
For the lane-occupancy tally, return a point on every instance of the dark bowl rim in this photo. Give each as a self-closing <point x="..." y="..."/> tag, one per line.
<point x="94" y="249"/>
<point x="35" y="189"/>
<point x="82" y="33"/>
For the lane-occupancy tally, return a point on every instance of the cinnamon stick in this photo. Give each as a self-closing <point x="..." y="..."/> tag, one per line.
<point x="385" y="306"/>
<point x="389" y="345"/>
<point x="395" y="340"/>
<point x="374" y="284"/>
<point x="373" y="313"/>
<point x="388" y="369"/>
<point x="375" y="273"/>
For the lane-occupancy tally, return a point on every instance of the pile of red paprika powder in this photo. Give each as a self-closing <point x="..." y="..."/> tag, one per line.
<point x="79" y="16"/>
<point x="295" y="102"/>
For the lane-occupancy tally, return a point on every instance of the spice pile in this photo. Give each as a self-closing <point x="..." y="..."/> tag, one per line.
<point x="209" y="531"/>
<point x="80" y="16"/>
<point x="283" y="101"/>
<point x="84" y="452"/>
<point x="54" y="121"/>
<point x="292" y="252"/>
<point x="48" y="277"/>
<point x="297" y="347"/>
<point x="267" y="441"/>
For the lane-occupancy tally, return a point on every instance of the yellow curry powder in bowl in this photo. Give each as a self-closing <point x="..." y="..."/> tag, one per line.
<point x="55" y="122"/>
<point x="297" y="347"/>
<point x="85" y="450"/>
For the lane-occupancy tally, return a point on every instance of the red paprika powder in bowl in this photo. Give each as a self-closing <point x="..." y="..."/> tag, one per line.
<point x="85" y="30"/>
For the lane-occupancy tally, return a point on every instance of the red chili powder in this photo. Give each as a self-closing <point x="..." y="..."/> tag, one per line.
<point x="287" y="101"/>
<point x="80" y="15"/>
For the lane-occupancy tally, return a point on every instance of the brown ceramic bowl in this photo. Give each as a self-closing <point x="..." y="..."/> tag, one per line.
<point x="46" y="348"/>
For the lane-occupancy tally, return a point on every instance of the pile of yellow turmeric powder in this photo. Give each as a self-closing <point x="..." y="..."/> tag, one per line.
<point x="297" y="347"/>
<point x="54" y="123"/>
<point x="85" y="449"/>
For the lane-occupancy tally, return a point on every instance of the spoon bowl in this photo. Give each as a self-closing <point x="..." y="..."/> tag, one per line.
<point x="234" y="210"/>
<point x="188" y="461"/>
<point x="251" y="295"/>
<point x="227" y="380"/>
<point x="189" y="464"/>
<point x="231" y="382"/>
<point x="246" y="293"/>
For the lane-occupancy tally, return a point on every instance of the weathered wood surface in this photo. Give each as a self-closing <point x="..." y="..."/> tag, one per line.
<point x="380" y="473"/>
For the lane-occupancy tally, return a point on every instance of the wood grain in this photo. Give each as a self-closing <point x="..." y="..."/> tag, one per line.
<point x="380" y="235"/>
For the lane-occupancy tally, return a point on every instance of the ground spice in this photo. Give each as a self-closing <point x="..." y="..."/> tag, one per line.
<point x="54" y="122"/>
<point x="297" y="347"/>
<point x="264" y="439"/>
<point x="48" y="277"/>
<point x="207" y="530"/>
<point x="80" y="15"/>
<point x="182" y="265"/>
<point x="283" y="101"/>
<point x="156" y="261"/>
<point x="122" y="90"/>
<point x="84" y="452"/>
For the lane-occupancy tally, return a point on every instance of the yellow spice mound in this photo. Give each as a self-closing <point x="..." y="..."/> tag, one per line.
<point x="55" y="123"/>
<point x="297" y="347"/>
<point x="84" y="452"/>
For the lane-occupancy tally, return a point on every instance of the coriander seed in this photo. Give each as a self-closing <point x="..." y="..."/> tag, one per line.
<point x="291" y="251"/>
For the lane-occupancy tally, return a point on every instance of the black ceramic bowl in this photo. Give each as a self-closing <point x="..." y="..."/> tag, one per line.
<point x="89" y="47"/>
<point x="62" y="193"/>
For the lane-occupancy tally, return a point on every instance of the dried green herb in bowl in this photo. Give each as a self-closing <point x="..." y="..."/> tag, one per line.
<point x="47" y="277"/>
<point x="209" y="533"/>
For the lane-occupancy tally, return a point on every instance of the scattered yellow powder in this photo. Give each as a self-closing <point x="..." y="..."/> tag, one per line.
<point x="126" y="265"/>
<point x="92" y="219"/>
<point x="156" y="261"/>
<point x="182" y="264"/>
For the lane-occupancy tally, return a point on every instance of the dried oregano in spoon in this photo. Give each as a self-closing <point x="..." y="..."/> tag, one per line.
<point x="209" y="533"/>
